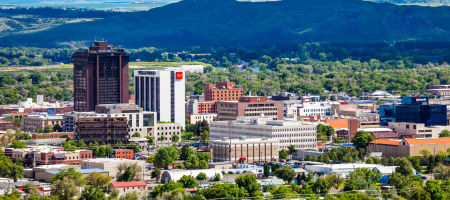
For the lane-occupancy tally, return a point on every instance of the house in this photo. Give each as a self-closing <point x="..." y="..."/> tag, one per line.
<point x="125" y="187"/>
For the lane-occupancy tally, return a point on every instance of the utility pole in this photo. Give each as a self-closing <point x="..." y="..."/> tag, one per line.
<point x="229" y="131"/>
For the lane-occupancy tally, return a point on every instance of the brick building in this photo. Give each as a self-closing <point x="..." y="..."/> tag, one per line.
<point x="56" y="135"/>
<point x="224" y="91"/>
<point x="198" y="107"/>
<point x="47" y="155"/>
<point x="409" y="146"/>
<point x="6" y="125"/>
<point x="104" y="130"/>
<point x="250" y="106"/>
<point x="355" y="124"/>
<point x="124" y="153"/>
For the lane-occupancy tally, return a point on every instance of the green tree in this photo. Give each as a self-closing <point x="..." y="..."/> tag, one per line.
<point x="286" y="173"/>
<point x="188" y="181"/>
<point x="441" y="172"/>
<point x="321" y="186"/>
<point x="175" y="138"/>
<point x="156" y="174"/>
<point x="266" y="170"/>
<point x="217" y="177"/>
<point x="225" y="190"/>
<point x="48" y="129"/>
<point x="128" y="173"/>
<point x="362" y="139"/>
<point x="18" y="144"/>
<point x="283" y="154"/>
<point x="65" y="188"/>
<point x="169" y="186"/>
<point x="308" y="157"/>
<point x="166" y="156"/>
<point x="249" y="183"/>
<point x="136" y="134"/>
<point x="201" y="176"/>
<point x="92" y="192"/>
<point x="433" y="188"/>
<point x="284" y="192"/>
<point x="444" y="133"/>
<point x="99" y="180"/>
<point x="404" y="167"/>
<point x="56" y="128"/>
<point x="291" y="150"/>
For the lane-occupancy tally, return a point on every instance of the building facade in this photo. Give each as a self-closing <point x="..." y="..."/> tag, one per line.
<point x="409" y="146"/>
<point x="302" y="135"/>
<point x="250" y="106"/>
<point x="314" y="109"/>
<point x="55" y="135"/>
<point x="224" y="91"/>
<point x="166" y="131"/>
<point x="198" y="107"/>
<point x="47" y="155"/>
<point x="124" y="153"/>
<point x="408" y="129"/>
<point x="440" y="90"/>
<point x="356" y="124"/>
<point x="414" y="109"/>
<point x="208" y="117"/>
<point x="40" y="121"/>
<point x="245" y="150"/>
<point x="163" y="92"/>
<point x="100" y="76"/>
<point x="104" y="130"/>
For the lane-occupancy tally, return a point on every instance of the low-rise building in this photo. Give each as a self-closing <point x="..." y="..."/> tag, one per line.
<point x="440" y="90"/>
<point x="40" y="121"/>
<point x="8" y="125"/>
<point x="47" y="176"/>
<point x="208" y="117"/>
<point x="245" y="150"/>
<point x="111" y="165"/>
<point x="409" y="146"/>
<point x="165" y="132"/>
<point x="197" y="107"/>
<point x="47" y="155"/>
<point x="124" y="153"/>
<point x="132" y="186"/>
<point x="54" y="135"/>
<point x="302" y="135"/>
<point x="315" y="109"/>
<point x="357" y="124"/>
<point x="104" y="130"/>
<point x="409" y="129"/>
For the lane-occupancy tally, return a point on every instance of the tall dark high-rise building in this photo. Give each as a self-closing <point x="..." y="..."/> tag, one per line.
<point x="100" y="76"/>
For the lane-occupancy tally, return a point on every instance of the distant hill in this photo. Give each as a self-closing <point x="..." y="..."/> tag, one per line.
<point x="234" y="23"/>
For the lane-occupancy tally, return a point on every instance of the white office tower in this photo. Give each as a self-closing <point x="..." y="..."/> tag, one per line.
<point x="163" y="92"/>
<point x="40" y="99"/>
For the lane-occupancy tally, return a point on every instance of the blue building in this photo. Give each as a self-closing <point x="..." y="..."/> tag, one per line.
<point x="414" y="109"/>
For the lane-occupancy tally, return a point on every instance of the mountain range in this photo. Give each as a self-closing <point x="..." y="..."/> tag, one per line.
<point x="243" y="23"/>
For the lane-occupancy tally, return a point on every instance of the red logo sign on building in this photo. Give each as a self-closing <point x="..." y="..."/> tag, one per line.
<point x="179" y="75"/>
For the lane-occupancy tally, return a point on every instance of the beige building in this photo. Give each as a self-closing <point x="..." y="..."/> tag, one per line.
<point x="111" y="165"/>
<point x="245" y="150"/>
<point x="133" y="186"/>
<point x="409" y="146"/>
<point x="41" y="172"/>
<point x="417" y="129"/>
<point x="302" y="135"/>
<point x="165" y="131"/>
<point x="209" y="117"/>
<point x="40" y="121"/>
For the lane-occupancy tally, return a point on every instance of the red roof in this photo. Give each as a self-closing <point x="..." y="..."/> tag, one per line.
<point x="129" y="184"/>
<point x="428" y="141"/>
<point x="386" y="141"/>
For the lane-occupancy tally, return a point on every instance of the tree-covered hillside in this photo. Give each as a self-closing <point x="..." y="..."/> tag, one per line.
<point x="234" y="23"/>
